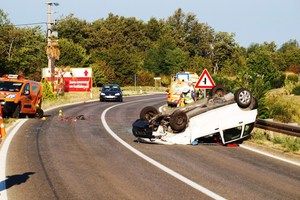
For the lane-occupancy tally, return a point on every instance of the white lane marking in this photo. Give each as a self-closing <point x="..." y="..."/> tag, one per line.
<point x="7" y="141"/>
<point x="153" y="162"/>
<point x="269" y="155"/>
<point x="3" y="155"/>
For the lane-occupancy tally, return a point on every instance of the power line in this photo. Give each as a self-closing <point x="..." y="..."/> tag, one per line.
<point x="30" y="24"/>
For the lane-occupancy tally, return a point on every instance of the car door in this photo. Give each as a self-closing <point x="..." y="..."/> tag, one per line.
<point x="26" y="99"/>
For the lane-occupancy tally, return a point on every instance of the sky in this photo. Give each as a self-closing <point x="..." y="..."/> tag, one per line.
<point x="252" y="21"/>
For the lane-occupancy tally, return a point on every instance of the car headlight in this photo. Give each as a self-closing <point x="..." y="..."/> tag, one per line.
<point x="11" y="96"/>
<point x="117" y="94"/>
<point x="103" y="94"/>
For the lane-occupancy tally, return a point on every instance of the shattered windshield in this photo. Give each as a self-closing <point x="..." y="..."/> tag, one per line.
<point x="9" y="86"/>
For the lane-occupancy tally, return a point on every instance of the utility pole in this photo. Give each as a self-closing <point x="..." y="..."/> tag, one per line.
<point x="51" y="59"/>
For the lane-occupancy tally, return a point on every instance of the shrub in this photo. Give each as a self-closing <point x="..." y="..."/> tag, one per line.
<point x="292" y="144"/>
<point x="279" y="108"/>
<point x="47" y="90"/>
<point x="259" y="135"/>
<point x="145" y="78"/>
<point x="165" y="80"/>
<point x="296" y="90"/>
<point x="228" y="84"/>
<point x="282" y="111"/>
<point x="278" y="81"/>
<point x="292" y="78"/>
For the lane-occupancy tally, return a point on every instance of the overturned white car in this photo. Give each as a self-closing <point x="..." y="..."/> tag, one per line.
<point x="225" y="119"/>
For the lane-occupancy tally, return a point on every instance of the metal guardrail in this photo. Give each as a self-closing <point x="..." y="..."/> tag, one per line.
<point x="278" y="127"/>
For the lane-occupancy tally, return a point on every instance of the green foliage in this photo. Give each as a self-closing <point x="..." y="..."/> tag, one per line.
<point x="291" y="144"/>
<point x="145" y="78"/>
<point x="165" y="80"/>
<point x="276" y="140"/>
<point x="290" y="56"/>
<point x="224" y="48"/>
<point x="227" y="83"/>
<point x="260" y="75"/>
<point x="71" y="54"/>
<point x="198" y="63"/>
<point x="48" y="91"/>
<point x="293" y="78"/>
<point x="103" y="73"/>
<point x="73" y="29"/>
<point x="120" y="47"/>
<point x="279" y="108"/>
<point x="259" y="135"/>
<point x="296" y="90"/>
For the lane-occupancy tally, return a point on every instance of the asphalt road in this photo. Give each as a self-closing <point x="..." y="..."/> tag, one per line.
<point x="66" y="159"/>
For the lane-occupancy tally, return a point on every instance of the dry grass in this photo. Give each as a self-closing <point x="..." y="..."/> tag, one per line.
<point x="73" y="97"/>
<point x="286" y="106"/>
<point x="276" y="141"/>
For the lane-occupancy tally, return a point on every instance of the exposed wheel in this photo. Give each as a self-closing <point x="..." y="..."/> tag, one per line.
<point x="218" y="91"/>
<point x="16" y="113"/>
<point x="243" y="97"/>
<point x="148" y="112"/>
<point x="39" y="113"/>
<point x="254" y="104"/>
<point x="172" y="104"/>
<point x="178" y="120"/>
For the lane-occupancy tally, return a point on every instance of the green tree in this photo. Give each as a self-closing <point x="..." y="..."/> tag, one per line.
<point x="103" y="73"/>
<point x="27" y="52"/>
<point x="71" y="54"/>
<point x="260" y="74"/>
<point x="155" y="60"/>
<point x="73" y="29"/>
<point x="153" y="29"/>
<point x="198" y="63"/>
<point x="289" y="55"/>
<point x="176" y="60"/>
<point x="224" y="49"/>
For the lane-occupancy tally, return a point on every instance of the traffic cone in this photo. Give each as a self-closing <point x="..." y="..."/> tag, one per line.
<point x="60" y="113"/>
<point x="2" y="129"/>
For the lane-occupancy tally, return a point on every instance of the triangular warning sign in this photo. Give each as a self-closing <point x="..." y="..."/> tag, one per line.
<point x="205" y="81"/>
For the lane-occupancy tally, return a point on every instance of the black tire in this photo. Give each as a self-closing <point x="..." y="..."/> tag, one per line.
<point x="39" y="113"/>
<point x="243" y="97"/>
<point x="178" y="120"/>
<point x="218" y="91"/>
<point x="172" y="104"/>
<point x="254" y="104"/>
<point x="148" y="113"/>
<point x="16" y="113"/>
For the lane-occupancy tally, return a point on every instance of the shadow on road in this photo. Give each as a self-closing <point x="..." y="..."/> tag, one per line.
<point x="15" y="180"/>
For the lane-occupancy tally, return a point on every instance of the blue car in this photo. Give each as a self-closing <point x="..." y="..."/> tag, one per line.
<point x="111" y="92"/>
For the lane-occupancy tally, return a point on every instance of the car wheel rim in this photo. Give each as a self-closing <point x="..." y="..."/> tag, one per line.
<point x="180" y="120"/>
<point x="244" y="97"/>
<point x="149" y="116"/>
